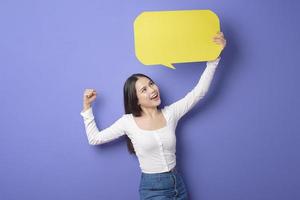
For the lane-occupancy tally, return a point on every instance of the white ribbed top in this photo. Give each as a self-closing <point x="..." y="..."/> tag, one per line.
<point x="155" y="149"/>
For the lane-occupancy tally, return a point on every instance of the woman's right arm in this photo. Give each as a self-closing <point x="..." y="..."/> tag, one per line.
<point x="95" y="136"/>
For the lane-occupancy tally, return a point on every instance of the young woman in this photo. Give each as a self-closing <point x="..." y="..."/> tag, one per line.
<point x="150" y="131"/>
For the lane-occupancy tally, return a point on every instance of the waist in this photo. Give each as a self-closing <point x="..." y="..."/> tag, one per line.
<point x="173" y="170"/>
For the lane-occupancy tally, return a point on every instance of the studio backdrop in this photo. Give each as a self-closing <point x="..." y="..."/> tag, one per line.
<point x="241" y="142"/>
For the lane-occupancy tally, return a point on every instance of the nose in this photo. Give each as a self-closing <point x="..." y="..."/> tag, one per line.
<point x="151" y="90"/>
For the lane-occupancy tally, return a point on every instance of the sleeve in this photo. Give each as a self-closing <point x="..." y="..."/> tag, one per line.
<point x="182" y="106"/>
<point x="95" y="136"/>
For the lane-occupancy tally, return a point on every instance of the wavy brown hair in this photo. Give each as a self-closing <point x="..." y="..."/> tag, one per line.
<point x="131" y="102"/>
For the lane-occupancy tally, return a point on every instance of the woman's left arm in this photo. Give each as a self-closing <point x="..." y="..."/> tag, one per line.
<point x="182" y="106"/>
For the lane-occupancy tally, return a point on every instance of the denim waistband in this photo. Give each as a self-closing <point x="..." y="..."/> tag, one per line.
<point x="172" y="171"/>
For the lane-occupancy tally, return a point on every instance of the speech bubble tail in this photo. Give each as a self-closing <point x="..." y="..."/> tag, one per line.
<point x="169" y="65"/>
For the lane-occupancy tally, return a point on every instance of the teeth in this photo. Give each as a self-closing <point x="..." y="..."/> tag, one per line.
<point x="154" y="96"/>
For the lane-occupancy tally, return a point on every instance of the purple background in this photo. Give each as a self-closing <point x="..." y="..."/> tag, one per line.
<point x="240" y="143"/>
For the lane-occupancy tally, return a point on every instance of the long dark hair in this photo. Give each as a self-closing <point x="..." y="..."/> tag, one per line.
<point x="131" y="102"/>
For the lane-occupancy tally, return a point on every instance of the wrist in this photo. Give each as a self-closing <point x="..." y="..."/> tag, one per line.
<point x="86" y="106"/>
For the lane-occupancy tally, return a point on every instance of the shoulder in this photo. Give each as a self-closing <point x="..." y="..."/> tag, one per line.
<point x="125" y="118"/>
<point x="167" y="111"/>
<point x="128" y="125"/>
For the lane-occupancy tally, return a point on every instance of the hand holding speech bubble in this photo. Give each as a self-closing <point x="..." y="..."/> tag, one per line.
<point x="166" y="37"/>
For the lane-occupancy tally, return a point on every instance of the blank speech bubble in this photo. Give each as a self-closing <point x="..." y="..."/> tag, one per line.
<point x="166" y="37"/>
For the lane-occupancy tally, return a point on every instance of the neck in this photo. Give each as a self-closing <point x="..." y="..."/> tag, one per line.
<point x="149" y="112"/>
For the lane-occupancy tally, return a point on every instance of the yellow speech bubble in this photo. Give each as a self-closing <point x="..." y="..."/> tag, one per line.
<point x="166" y="37"/>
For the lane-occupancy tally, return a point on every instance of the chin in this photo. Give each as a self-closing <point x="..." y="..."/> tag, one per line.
<point x="158" y="103"/>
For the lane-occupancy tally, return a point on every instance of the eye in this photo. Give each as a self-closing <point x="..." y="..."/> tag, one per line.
<point x="151" y="83"/>
<point x="144" y="89"/>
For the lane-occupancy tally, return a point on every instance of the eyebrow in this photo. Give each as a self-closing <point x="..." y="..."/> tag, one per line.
<point x="145" y="86"/>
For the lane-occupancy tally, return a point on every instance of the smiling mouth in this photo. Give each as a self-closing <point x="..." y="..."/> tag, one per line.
<point x="154" y="97"/>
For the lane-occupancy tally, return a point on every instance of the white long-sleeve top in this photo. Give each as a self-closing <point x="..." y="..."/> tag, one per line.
<point x="155" y="149"/>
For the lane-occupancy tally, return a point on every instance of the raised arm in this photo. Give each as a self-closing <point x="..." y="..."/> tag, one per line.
<point x="182" y="106"/>
<point x="95" y="136"/>
<point x="179" y="108"/>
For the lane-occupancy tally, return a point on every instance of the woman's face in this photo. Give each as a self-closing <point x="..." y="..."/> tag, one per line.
<point x="147" y="93"/>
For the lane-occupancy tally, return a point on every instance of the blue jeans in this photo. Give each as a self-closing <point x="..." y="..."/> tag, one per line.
<point x="162" y="186"/>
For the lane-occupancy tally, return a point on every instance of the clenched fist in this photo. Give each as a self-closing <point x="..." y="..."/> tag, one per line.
<point x="89" y="96"/>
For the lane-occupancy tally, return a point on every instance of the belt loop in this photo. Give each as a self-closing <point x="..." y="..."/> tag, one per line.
<point x="174" y="170"/>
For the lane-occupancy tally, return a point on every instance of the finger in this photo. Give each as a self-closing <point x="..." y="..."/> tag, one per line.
<point x="218" y="40"/>
<point x="218" y="34"/>
<point x="220" y="43"/>
<point x="88" y="94"/>
<point x="91" y="91"/>
<point x="87" y="91"/>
